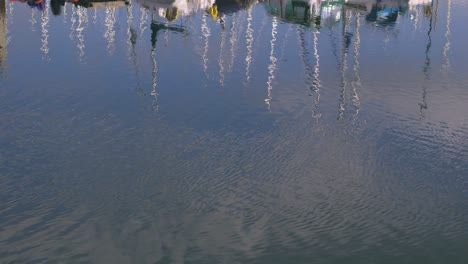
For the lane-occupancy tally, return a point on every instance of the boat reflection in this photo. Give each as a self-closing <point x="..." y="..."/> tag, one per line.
<point x="347" y="14"/>
<point x="227" y="36"/>
<point x="40" y="4"/>
<point x="57" y="5"/>
<point x="329" y="13"/>
<point x="172" y="9"/>
<point x="306" y="12"/>
<point x="232" y="6"/>
<point x="157" y="10"/>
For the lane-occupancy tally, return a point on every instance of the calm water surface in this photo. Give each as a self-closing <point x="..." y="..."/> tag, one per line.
<point x="202" y="131"/>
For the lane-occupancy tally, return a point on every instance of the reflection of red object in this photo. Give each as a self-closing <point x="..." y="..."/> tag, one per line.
<point x="74" y="1"/>
<point x="22" y="1"/>
<point x="38" y="1"/>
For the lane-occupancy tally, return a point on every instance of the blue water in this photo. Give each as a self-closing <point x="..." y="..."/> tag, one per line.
<point x="155" y="131"/>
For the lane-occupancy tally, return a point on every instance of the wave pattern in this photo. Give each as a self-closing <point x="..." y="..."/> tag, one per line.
<point x="89" y="173"/>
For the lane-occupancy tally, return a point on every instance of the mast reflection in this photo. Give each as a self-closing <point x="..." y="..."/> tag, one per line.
<point x="346" y="39"/>
<point x="221" y="53"/>
<point x="427" y="62"/>
<point x="45" y="31"/>
<point x="446" y="48"/>
<point x="130" y="31"/>
<point x="157" y="26"/>
<point x="109" y="33"/>
<point x="272" y="65"/>
<point x="232" y="24"/>
<point x="232" y="40"/>
<point x="249" y="42"/>
<point x="206" y="32"/>
<point x="3" y="36"/>
<point x="312" y="74"/>
<point x="356" y="84"/>
<point x="82" y="23"/>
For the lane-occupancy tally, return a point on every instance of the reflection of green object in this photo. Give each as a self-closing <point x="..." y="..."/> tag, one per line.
<point x="298" y="11"/>
<point x="332" y="3"/>
<point x="302" y="12"/>
<point x="330" y="12"/>
<point x="273" y="9"/>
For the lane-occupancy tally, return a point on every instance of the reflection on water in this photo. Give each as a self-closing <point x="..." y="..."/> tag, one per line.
<point x="272" y="65"/>
<point x="3" y="36"/>
<point x="447" y="36"/>
<point x="236" y="131"/>
<point x="321" y="15"/>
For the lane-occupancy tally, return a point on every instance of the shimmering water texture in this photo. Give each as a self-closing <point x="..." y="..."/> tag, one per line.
<point x="232" y="131"/>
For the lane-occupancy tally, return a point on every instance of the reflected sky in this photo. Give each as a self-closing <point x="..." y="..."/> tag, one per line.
<point x="235" y="131"/>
